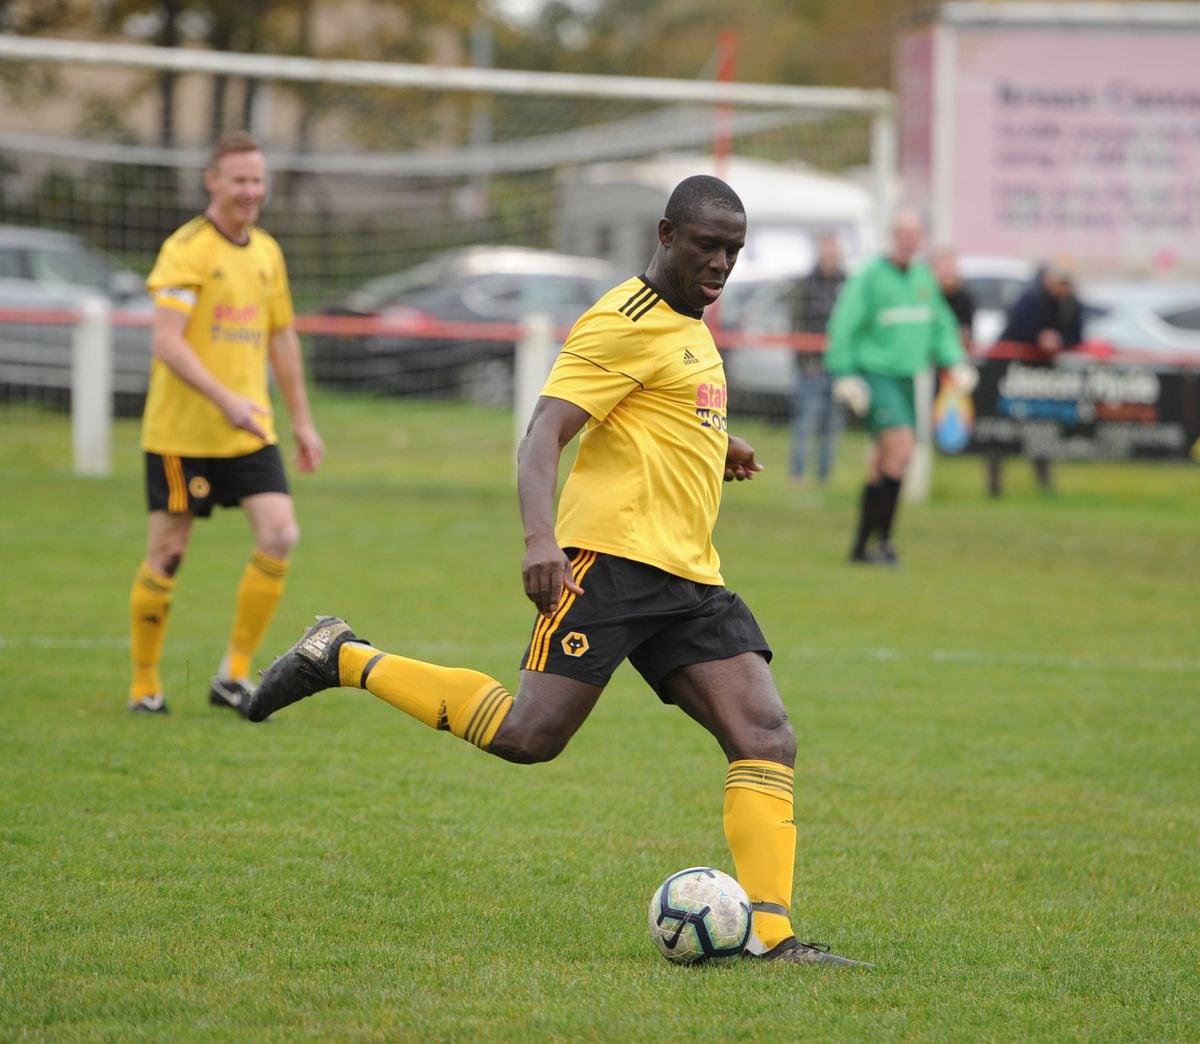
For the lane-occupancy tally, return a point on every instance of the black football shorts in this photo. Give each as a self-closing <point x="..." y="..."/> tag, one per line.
<point x="194" y="485"/>
<point x="629" y="610"/>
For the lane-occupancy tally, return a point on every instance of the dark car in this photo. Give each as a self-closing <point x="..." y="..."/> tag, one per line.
<point x="450" y="324"/>
<point x="41" y="270"/>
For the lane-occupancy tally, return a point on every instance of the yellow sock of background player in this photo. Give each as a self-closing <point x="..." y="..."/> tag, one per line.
<point x="467" y="703"/>
<point x="149" y="605"/>
<point x="257" y="598"/>
<point x="762" y="837"/>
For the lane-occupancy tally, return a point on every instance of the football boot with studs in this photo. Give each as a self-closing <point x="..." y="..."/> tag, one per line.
<point x="308" y="667"/>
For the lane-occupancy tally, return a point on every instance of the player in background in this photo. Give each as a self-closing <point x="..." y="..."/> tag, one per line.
<point x="223" y="311"/>
<point x="890" y="323"/>
<point x="629" y="570"/>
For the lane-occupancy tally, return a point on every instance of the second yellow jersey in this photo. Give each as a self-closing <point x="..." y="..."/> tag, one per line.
<point x="647" y="481"/>
<point x="235" y="296"/>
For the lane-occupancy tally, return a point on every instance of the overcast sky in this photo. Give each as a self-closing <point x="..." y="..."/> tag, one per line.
<point x="520" y="10"/>
<point x="526" y="10"/>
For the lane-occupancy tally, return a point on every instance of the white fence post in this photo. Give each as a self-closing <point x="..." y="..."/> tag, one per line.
<point x="919" y="479"/>
<point x="534" y="357"/>
<point x="91" y="387"/>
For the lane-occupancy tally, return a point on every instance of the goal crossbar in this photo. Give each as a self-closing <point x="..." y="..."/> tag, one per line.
<point x="441" y="77"/>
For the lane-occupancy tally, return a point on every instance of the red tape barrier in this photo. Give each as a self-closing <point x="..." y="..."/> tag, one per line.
<point x="431" y="329"/>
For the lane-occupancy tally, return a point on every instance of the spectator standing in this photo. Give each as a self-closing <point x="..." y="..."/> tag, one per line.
<point x="815" y="420"/>
<point x="954" y="290"/>
<point x="223" y="312"/>
<point x="889" y="324"/>
<point x="1048" y="318"/>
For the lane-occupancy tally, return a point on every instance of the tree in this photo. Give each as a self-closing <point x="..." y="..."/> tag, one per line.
<point x="778" y="41"/>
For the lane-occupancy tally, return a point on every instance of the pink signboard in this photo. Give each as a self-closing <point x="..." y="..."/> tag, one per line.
<point x="1083" y="141"/>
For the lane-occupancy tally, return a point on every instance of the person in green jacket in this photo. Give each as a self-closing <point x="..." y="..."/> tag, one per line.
<point x="890" y="323"/>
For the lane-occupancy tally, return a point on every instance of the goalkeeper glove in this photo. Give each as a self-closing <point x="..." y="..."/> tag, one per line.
<point x="853" y="393"/>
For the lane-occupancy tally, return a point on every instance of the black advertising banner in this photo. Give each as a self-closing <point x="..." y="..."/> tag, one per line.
<point x="1075" y="409"/>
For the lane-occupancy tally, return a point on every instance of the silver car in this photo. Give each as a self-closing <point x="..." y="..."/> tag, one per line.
<point x="42" y="270"/>
<point x="995" y="283"/>
<point x="1144" y="317"/>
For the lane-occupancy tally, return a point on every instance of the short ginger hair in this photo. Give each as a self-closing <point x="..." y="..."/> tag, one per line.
<point x="231" y="144"/>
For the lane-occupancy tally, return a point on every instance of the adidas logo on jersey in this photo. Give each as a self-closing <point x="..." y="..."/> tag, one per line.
<point x="688" y="358"/>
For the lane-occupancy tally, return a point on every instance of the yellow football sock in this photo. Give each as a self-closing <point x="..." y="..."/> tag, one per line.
<point x="467" y="703"/>
<point x="257" y="598"/>
<point x="149" y="604"/>
<point x="762" y="837"/>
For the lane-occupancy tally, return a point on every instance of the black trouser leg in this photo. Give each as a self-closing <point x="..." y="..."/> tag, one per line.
<point x="995" y="464"/>
<point x="889" y="497"/>
<point x="868" y="514"/>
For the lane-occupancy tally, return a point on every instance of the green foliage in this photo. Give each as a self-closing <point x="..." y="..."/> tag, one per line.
<point x="776" y="41"/>
<point x="995" y="789"/>
<point x="624" y="37"/>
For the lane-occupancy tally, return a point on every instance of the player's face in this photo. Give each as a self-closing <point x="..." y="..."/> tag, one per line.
<point x="238" y="186"/>
<point x="906" y="240"/>
<point x="701" y="254"/>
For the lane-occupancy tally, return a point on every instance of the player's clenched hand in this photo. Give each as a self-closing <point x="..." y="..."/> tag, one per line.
<point x="243" y="413"/>
<point x="739" y="460"/>
<point x="547" y="573"/>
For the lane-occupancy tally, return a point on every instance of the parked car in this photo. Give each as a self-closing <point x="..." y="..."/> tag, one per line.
<point x="429" y="351"/>
<point x="995" y="283"/>
<point x="45" y="270"/>
<point x="1158" y="317"/>
<point x="759" y="377"/>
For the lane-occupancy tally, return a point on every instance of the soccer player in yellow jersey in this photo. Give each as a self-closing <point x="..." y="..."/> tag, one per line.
<point x="223" y="312"/>
<point x="629" y="571"/>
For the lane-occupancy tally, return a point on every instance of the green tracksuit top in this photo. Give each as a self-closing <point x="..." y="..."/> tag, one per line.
<point x="891" y="322"/>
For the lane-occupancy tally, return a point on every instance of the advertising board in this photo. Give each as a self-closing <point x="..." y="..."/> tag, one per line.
<point x="1031" y="138"/>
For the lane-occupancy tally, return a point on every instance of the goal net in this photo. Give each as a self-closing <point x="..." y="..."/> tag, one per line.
<point x="389" y="182"/>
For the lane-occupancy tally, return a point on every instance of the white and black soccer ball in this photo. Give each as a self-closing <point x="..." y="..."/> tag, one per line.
<point x="700" y="914"/>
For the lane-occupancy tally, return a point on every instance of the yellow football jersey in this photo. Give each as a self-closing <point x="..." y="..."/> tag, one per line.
<point x="234" y="296"/>
<point x="647" y="480"/>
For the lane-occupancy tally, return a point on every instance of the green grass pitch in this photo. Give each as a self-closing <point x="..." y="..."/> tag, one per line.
<point x="998" y="786"/>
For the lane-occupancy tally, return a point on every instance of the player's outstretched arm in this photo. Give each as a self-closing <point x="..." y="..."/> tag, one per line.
<point x="739" y="460"/>
<point x="545" y="570"/>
